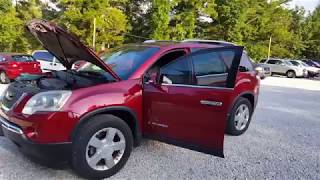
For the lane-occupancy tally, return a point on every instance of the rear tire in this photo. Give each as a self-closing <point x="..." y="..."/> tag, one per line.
<point x="98" y="139"/>
<point x="4" y="79"/>
<point x="291" y="74"/>
<point x="239" y="122"/>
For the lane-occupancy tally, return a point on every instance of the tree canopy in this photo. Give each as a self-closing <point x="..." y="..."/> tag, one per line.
<point x="295" y="33"/>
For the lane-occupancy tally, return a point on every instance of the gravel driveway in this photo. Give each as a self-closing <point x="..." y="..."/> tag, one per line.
<point x="281" y="143"/>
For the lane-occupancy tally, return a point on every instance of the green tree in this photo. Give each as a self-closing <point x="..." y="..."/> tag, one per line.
<point x="77" y="16"/>
<point x="9" y="26"/>
<point x="311" y="35"/>
<point x="160" y="19"/>
<point x="25" y="11"/>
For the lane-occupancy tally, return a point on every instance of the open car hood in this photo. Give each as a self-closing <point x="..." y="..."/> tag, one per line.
<point x="64" y="46"/>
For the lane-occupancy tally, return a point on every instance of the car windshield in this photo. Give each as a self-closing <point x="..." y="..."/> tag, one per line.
<point x="287" y="63"/>
<point x="123" y="61"/>
<point x="304" y="64"/>
<point x="23" y="58"/>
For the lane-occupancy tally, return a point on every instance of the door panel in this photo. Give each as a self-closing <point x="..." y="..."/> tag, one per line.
<point x="184" y="113"/>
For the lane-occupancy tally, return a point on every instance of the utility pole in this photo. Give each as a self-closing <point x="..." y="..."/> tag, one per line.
<point x="269" y="50"/>
<point x="94" y="35"/>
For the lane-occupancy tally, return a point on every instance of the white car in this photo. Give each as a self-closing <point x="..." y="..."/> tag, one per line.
<point x="47" y="61"/>
<point x="285" y="67"/>
<point x="312" y="71"/>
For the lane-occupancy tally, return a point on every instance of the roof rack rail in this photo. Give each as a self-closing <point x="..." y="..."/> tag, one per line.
<point x="154" y="41"/>
<point x="217" y="42"/>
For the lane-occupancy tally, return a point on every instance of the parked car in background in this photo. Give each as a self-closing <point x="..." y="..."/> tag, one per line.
<point x="14" y="64"/>
<point x="48" y="61"/>
<point x="284" y="67"/>
<point x="263" y="70"/>
<point x="312" y="63"/>
<point x="185" y="94"/>
<point x="312" y="71"/>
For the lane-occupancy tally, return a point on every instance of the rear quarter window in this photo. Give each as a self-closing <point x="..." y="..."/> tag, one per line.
<point x="245" y="63"/>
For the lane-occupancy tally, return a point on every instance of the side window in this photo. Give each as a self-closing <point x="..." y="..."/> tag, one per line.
<point x="2" y="58"/>
<point x="271" y="62"/>
<point x="211" y="68"/>
<point x="245" y="63"/>
<point x="279" y="62"/>
<point x="176" y="72"/>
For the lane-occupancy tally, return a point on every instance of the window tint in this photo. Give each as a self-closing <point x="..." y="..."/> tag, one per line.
<point x="42" y="55"/>
<point x="245" y="63"/>
<point x="176" y="72"/>
<point x="22" y="58"/>
<point x="211" y="68"/>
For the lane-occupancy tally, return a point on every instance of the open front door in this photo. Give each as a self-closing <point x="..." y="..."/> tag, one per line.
<point x="188" y="101"/>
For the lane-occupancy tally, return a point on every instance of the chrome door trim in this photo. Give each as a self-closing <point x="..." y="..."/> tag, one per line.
<point x="195" y="86"/>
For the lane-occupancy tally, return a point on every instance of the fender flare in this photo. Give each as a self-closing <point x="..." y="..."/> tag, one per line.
<point x="137" y="135"/>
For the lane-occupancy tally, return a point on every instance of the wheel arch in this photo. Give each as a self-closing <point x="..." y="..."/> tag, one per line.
<point x="291" y="70"/>
<point x="124" y="113"/>
<point x="248" y="95"/>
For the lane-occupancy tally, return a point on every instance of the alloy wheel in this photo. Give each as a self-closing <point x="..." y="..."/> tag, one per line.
<point x="105" y="149"/>
<point x="242" y="116"/>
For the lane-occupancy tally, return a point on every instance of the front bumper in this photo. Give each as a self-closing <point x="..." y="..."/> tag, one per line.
<point x="48" y="154"/>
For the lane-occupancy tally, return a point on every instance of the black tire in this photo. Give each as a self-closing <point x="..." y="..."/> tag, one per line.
<point x="291" y="74"/>
<point x="96" y="123"/>
<point x="4" y="79"/>
<point x="231" y="124"/>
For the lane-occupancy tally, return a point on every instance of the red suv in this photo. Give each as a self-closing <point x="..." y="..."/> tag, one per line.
<point x="186" y="94"/>
<point x="12" y="65"/>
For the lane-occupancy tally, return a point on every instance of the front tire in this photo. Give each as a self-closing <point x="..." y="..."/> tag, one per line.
<point x="291" y="74"/>
<point x="101" y="147"/>
<point x="240" y="117"/>
<point x="4" y="79"/>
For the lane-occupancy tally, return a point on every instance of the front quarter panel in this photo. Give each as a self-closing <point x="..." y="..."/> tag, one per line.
<point x="126" y="93"/>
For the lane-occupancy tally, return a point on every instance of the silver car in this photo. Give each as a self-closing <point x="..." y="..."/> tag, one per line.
<point x="312" y="71"/>
<point x="284" y="67"/>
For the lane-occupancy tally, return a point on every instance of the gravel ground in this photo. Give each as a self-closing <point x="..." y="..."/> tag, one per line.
<point x="281" y="143"/>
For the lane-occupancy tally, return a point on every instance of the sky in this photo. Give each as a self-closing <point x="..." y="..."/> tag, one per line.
<point x="309" y="5"/>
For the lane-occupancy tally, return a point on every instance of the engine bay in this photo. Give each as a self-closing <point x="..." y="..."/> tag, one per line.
<point x="64" y="80"/>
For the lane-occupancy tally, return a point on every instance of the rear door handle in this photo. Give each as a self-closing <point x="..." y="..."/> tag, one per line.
<point x="211" y="103"/>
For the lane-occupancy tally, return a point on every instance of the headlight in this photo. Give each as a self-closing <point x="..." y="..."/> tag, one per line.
<point x="46" y="101"/>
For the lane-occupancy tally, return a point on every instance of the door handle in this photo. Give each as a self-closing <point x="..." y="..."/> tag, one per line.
<point x="211" y="103"/>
